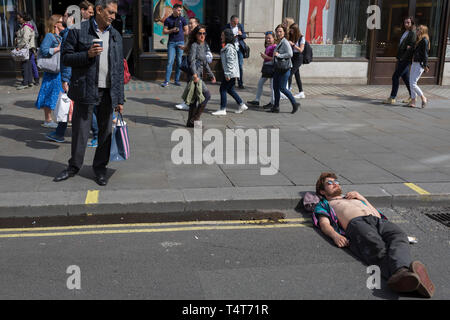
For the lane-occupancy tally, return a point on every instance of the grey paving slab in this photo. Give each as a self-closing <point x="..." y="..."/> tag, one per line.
<point x="342" y="129"/>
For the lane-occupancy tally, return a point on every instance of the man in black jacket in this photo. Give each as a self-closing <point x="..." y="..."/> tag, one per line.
<point x="404" y="59"/>
<point x="240" y="36"/>
<point x="97" y="80"/>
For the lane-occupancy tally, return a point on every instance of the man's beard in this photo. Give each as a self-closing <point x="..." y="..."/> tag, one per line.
<point x="335" y="193"/>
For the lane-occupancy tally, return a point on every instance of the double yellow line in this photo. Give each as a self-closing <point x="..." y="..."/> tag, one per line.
<point x="153" y="228"/>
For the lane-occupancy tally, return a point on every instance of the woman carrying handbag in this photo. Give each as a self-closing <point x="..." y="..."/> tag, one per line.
<point x="25" y="39"/>
<point x="283" y="64"/>
<point x="51" y="83"/>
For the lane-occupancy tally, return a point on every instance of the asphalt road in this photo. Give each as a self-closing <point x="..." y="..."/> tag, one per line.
<point x="215" y="260"/>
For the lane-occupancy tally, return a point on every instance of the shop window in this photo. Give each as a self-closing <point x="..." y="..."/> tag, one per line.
<point x="156" y="14"/>
<point x="429" y="13"/>
<point x="8" y="19"/>
<point x="334" y="28"/>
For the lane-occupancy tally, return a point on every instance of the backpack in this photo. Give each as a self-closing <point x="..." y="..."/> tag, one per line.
<point x="307" y="53"/>
<point x="310" y="200"/>
<point x="126" y="72"/>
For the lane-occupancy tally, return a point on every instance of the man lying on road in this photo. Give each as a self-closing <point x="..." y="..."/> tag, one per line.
<point x="351" y="221"/>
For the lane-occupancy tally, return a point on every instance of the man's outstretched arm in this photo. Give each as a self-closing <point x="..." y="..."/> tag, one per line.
<point x="328" y="230"/>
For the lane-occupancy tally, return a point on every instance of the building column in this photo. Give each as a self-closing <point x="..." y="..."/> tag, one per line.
<point x="258" y="17"/>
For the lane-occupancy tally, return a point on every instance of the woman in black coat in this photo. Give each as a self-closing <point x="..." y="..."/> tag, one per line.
<point x="419" y="65"/>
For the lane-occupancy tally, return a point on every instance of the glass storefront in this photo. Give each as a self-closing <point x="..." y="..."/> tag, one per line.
<point x="329" y="28"/>
<point x="8" y="19"/>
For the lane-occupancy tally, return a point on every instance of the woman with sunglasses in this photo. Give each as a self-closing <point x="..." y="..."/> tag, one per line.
<point x="51" y="83"/>
<point x="198" y="51"/>
<point x="267" y="70"/>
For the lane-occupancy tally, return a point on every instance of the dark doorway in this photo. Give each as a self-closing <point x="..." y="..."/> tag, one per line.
<point x="216" y="19"/>
<point x="60" y="6"/>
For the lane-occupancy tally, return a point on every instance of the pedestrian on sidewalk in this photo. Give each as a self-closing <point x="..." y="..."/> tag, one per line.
<point x="351" y="221"/>
<point x="404" y="58"/>
<point x="193" y="23"/>
<point x="176" y="27"/>
<point x="419" y="65"/>
<point x="87" y="10"/>
<point x="25" y="38"/>
<point x="267" y="71"/>
<point x="51" y="83"/>
<point x="97" y="80"/>
<point x="198" y="50"/>
<point x="297" y="41"/>
<point x="283" y="65"/>
<point x="239" y="37"/>
<point x="230" y="64"/>
<point x="66" y="74"/>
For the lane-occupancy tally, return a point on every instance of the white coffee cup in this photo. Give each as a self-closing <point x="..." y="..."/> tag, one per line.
<point x="98" y="41"/>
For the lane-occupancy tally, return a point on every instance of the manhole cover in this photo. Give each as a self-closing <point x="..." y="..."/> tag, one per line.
<point x="443" y="218"/>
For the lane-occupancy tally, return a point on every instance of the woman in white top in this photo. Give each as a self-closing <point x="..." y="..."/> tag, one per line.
<point x="297" y="41"/>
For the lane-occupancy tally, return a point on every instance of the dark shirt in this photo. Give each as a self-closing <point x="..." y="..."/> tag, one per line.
<point x="421" y="53"/>
<point x="172" y="22"/>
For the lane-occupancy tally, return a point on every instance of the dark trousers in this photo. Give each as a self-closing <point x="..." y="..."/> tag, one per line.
<point x="379" y="242"/>
<point x="297" y="61"/>
<point x="228" y="87"/>
<point x="81" y="126"/>
<point x="34" y="67"/>
<point x="27" y="72"/>
<point x="196" y="109"/>
<point x="401" y="71"/>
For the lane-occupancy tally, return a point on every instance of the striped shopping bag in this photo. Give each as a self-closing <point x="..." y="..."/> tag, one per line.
<point x="120" y="145"/>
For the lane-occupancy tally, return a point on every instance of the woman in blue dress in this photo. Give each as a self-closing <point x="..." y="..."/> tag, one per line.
<point x="51" y="83"/>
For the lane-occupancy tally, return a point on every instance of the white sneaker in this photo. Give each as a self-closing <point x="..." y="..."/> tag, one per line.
<point x="182" y="106"/>
<point x="242" y="108"/>
<point x="51" y="125"/>
<point x="301" y="95"/>
<point x="220" y="113"/>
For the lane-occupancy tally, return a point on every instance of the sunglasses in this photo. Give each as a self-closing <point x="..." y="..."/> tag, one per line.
<point x="268" y="32"/>
<point x="202" y="33"/>
<point x="331" y="182"/>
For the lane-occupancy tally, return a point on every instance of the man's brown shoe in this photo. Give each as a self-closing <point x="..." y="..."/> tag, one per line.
<point x="404" y="281"/>
<point x="426" y="287"/>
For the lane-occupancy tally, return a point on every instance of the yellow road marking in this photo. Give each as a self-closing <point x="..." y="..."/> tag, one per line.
<point x="143" y="225"/>
<point x="92" y="197"/>
<point x="417" y="189"/>
<point x="149" y="230"/>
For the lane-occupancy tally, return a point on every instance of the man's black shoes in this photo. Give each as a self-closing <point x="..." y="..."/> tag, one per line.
<point x="66" y="174"/>
<point x="101" y="180"/>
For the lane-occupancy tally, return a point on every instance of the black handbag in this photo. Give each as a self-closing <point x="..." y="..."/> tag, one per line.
<point x="268" y="70"/>
<point x="282" y="65"/>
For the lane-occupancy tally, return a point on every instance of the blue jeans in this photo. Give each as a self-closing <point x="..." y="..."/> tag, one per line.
<point x="280" y="81"/>
<point x="174" y="52"/>
<point x="241" y="68"/>
<point x="228" y="87"/>
<point x="94" y="126"/>
<point x="401" y="71"/>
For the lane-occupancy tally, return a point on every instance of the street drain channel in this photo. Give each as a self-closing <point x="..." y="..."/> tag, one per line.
<point x="443" y="218"/>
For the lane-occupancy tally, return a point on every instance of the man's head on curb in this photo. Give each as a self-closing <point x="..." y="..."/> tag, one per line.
<point x="177" y="10"/>
<point x="105" y="12"/>
<point x="327" y="185"/>
<point x="234" y="21"/>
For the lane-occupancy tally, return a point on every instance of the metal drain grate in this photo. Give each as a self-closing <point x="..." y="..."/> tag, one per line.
<point x="443" y="218"/>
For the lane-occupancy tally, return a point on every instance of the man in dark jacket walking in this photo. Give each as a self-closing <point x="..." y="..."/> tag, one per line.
<point x="240" y="36"/>
<point x="404" y="59"/>
<point x="95" y="53"/>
